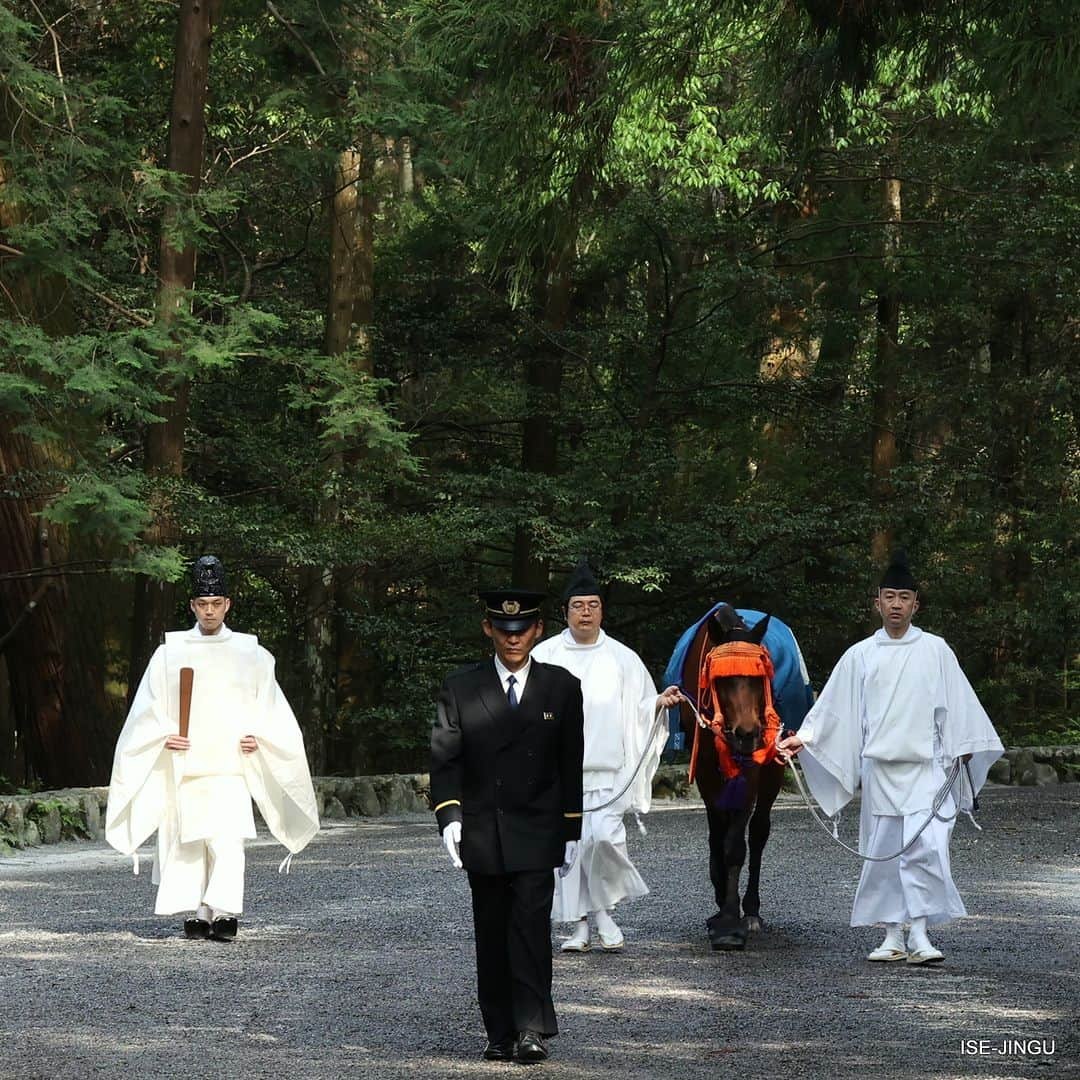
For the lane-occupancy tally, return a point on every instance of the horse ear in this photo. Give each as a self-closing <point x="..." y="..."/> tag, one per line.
<point x="757" y="635"/>
<point x="716" y="632"/>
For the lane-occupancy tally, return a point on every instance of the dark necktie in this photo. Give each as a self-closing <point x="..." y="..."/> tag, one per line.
<point x="511" y="692"/>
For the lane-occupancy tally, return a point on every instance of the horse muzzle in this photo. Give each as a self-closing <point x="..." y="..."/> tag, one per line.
<point x="744" y="742"/>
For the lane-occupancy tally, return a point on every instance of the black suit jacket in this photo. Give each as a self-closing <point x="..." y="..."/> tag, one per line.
<point x="511" y="776"/>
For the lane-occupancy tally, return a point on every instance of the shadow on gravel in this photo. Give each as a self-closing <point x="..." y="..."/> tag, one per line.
<point x="360" y="963"/>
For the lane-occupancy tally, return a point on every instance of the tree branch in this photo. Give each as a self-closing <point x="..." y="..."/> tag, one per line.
<point x="134" y="316"/>
<point x="291" y="31"/>
<point x="59" y="70"/>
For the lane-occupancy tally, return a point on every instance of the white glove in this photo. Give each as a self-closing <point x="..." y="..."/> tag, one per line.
<point x="451" y="837"/>
<point x="569" y="855"/>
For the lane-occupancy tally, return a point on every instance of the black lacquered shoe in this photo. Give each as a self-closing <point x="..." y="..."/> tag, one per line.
<point x="530" y="1049"/>
<point x="224" y="929"/>
<point x="196" y="928"/>
<point x="503" y="1050"/>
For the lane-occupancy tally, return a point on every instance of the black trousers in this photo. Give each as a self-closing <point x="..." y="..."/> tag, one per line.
<point x="512" y="923"/>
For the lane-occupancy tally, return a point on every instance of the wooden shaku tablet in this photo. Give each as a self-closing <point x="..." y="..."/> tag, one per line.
<point x="187" y="678"/>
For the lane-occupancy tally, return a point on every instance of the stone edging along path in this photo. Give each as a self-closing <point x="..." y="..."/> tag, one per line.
<point x="79" y="813"/>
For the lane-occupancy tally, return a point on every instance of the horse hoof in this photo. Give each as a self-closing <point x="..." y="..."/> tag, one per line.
<point x="729" y="943"/>
<point x="752" y="924"/>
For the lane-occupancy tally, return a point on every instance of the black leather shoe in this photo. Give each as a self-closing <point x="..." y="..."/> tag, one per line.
<point x="499" y="1051"/>
<point x="530" y="1048"/>
<point x="224" y="929"/>
<point x="196" y="928"/>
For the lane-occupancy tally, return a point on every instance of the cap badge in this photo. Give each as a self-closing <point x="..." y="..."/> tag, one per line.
<point x="510" y="607"/>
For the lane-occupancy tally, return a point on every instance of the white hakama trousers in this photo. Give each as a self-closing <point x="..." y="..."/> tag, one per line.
<point x="602" y="874"/>
<point x="917" y="884"/>
<point x="205" y="865"/>
<point x="207" y="872"/>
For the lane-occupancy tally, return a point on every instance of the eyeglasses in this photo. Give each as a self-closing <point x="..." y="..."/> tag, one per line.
<point x="584" y="605"/>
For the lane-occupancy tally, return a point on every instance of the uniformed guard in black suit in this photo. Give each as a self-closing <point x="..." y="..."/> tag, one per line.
<point x="506" y="769"/>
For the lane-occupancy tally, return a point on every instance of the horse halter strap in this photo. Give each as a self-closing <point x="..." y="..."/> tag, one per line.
<point x="748" y="660"/>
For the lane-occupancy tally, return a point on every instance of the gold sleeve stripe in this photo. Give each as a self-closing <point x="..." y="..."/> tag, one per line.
<point x="449" y="802"/>
<point x="571" y="815"/>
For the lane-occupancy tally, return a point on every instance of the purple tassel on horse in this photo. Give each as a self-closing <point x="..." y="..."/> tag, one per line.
<point x="734" y="793"/>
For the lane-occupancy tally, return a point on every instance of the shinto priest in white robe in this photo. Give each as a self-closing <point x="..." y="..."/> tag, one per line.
<point x="620" y="726"/>
<point x="893" y="717"/>
<point x="199" y="800"/>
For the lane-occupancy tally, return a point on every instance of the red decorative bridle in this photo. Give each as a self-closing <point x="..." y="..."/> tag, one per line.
<point x="741" y="658"/>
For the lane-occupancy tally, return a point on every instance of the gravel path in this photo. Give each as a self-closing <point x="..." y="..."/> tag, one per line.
<point x="360" y="963"/>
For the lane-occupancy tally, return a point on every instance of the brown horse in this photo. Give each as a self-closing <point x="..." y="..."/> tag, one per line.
<point x="737" y="806"/>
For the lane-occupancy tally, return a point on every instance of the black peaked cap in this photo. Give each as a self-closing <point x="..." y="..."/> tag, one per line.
<point x="512" y="609"/>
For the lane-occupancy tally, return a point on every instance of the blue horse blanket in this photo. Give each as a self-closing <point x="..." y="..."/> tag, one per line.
<point x="792" y="695"/>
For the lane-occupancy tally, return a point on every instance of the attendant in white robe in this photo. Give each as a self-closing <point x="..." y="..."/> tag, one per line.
<point x="196" y="791"/>
<point x="621" y="729"/>
<point x="896" y="713"/>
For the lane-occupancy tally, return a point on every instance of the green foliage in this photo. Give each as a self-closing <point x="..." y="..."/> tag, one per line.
<point x="72" y="822"/>
<point x="707" y="181"/>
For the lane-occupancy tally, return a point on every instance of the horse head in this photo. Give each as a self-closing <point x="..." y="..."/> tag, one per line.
<point x="741" y="697"/>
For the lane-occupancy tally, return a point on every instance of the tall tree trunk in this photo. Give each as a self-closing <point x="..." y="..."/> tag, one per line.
<point x="886" y="371"/>
<point x="790" y="352"/>
<point x="406" y="180"/>
<point x="543" y="381"/>
<point x="1011" y="365"/>
<point x="55" y="675"/>
<point x="348" y="328"/>
<point x="56" y="725"/>
<point x="345" y="201"/>
<point x="662" y="275"/>
<point x="164" y="454"/>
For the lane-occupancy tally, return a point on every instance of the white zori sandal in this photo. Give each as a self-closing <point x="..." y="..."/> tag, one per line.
<point x="892" y="948"/>
<point x="920" y="949"/>
<point x="928" y="954"/>
<point x="886" y="953"/>
<point x="578" y="941"/>
<point x="611" y="937"/>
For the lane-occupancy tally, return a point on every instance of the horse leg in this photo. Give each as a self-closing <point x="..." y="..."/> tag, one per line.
<point x="760" y="824"/>
<point x="717" y="870"/>
<point x="725" y="927"/>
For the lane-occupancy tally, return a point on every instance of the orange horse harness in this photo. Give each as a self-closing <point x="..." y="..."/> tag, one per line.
<point x="723" y="661"/>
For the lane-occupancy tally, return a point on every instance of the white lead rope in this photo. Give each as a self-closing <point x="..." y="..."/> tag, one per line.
<point x="830" y="824"/>
<point x="660" y="710"/>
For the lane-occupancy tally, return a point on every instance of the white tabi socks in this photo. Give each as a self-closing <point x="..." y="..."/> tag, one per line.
<point x="578" y="941"/>
<point x="920" y="950"/>
<point x="611" y="937"/>
<point x="892" y="948"/>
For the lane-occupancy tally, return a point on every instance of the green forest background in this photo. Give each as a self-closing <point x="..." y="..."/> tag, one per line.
<point x="387" y="302"/>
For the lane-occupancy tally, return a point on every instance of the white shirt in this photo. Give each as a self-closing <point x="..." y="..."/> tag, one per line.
<point x="521" y="676"/>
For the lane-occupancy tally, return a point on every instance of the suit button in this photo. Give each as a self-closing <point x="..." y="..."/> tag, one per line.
<point x="498" y="783"/>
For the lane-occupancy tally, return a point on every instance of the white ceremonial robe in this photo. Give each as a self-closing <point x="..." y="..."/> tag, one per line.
<point x="892" y="718"/>
<point x="200" y="801"/>
<point x="620" y="726"/>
